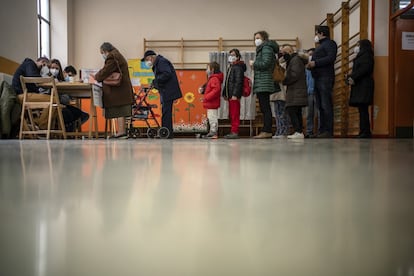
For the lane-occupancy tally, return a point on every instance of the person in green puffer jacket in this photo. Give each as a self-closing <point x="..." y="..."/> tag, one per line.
<point x="264" y="85"/>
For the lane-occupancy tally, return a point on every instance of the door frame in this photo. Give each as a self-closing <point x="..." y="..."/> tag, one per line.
<point x="391" y="72"/>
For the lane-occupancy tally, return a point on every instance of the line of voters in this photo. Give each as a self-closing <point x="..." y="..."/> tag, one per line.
<point x="308" y="81"/>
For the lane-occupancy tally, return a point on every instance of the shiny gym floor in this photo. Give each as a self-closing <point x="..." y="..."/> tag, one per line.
<point x="194" y="207"/>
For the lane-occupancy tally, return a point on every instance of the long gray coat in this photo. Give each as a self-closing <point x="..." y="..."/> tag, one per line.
<point x="296" y="93"/>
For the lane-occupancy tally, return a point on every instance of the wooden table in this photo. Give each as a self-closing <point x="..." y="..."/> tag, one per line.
<point x="80" y="90"/>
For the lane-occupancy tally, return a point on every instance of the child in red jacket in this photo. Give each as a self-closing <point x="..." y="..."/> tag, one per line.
<point x="212" y="94"/>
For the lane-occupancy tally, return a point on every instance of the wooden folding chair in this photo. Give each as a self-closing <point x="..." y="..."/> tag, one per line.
<point x="27" y="123"/>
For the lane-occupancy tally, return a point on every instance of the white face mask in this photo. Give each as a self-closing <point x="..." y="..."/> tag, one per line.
<point x="356" y="50"/>
<point x="258" y="42"/>
<point x="232" y="59"/>
<point x="54" y="72"/>
<point x="310" y="58"/>
<point x="208" y="71"/>
<point x="148" y="63"/>
<point x="316" y="39"/>
<point x="44" y="72"/>
<point x="104" y="56"/>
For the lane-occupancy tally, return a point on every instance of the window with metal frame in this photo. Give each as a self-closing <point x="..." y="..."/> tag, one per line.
<point x="43" y="22"/>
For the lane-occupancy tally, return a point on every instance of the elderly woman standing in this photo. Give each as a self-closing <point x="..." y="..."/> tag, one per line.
<point x="117" y="100"/>
<point x="297" y="91"/>
<point x="264" y="85"/>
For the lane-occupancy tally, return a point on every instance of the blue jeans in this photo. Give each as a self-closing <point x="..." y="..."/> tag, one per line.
<point x="282" y="124"/>
<point x="323" y="94"/>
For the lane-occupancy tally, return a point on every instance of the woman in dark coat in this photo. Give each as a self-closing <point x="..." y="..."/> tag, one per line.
<point x="362" y="85"/>
<point x="296" y="94"/>
<point x="117" y="100"/>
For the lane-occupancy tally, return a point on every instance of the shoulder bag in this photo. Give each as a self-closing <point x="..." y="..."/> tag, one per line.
<point x="278" y="72"/>
<point x="115" y="78"/>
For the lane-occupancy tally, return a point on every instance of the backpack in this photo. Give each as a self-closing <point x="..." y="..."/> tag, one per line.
<point x="247" y="87"/>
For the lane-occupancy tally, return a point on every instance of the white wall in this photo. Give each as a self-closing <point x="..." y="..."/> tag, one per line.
<point x="126" y="23"/>
<point x="18" y="29"/>
<point x="82" y="25"/>
<point x="59" y="30"/>
<point x="381" y="27"/>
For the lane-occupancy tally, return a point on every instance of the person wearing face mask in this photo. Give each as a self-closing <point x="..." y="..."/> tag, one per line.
<point x="211" y="100"/>
<point x="362" y="84"/>
<point x="263" y="84"/>
<point x="56" y="70"/>
<point x="166" y="82"/>
<point x="312" y="108"/>
<point x="233" y="89"/>
<point x="71" y="114"/>
<point x="117" y="100"/>
<point x="69" y="72"/>
<point x="296" y="93"/>
<point x="30" y="68"/>
<point x="323" y="72"/>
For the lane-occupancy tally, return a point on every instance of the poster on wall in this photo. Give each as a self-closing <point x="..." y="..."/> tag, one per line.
<point x="408" y="41"/>
<point x="189" y="116"/>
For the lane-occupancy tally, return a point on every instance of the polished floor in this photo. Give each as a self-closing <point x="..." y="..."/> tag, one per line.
<point x="192" y="207"/>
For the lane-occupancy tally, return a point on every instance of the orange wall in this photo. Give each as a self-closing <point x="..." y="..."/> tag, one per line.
<point x="7" y="66"/>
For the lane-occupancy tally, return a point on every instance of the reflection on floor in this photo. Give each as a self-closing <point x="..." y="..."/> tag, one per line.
<point x="195" y="207"/>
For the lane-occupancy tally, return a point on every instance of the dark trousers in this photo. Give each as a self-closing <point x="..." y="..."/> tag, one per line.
<point x="323" y="94"/>
<point x="364" y="124"/>
<point x="166" y="120"/>
<point x="295" y="114"/>
<point x="264" y="103"/>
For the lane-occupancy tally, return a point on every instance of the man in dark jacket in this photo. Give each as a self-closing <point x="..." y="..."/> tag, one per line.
<point x="166" y="82"/>
<point x="30" y="68"/>
<point x="323" y="72"/>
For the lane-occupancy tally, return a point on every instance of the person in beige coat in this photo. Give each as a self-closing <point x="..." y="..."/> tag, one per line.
<point x="117" y="100"/>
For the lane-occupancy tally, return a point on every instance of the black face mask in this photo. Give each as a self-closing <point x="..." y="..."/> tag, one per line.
<point x="286" y="57"/>
<point x="279" y="55"/>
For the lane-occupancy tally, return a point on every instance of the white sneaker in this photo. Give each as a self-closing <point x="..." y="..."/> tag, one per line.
<point x="296" y="135"/>
<point x="278" y="136"/>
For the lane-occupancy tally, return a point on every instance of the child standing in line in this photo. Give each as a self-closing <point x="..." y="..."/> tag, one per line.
<point x="211" y="100"/>
<point x="312" y="109"/>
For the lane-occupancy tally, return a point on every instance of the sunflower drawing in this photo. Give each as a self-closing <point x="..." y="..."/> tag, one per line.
<point x="189" y="98"/>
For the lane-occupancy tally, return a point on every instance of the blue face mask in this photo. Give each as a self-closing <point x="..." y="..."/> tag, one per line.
<point x="67" y="78"/>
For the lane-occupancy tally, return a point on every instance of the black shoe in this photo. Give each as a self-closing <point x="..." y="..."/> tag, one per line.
<point x="364" y="136"/>
<point x="84" y="117"/>
<point x="232" y="136"/>
<point x="309" y="136"/>
<point x="324" y="135"/>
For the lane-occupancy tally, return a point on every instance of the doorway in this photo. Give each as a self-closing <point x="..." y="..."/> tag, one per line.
<point x="401" y="71"/>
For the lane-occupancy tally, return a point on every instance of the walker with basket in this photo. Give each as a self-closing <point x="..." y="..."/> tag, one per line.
<point x="143" y="111"/>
